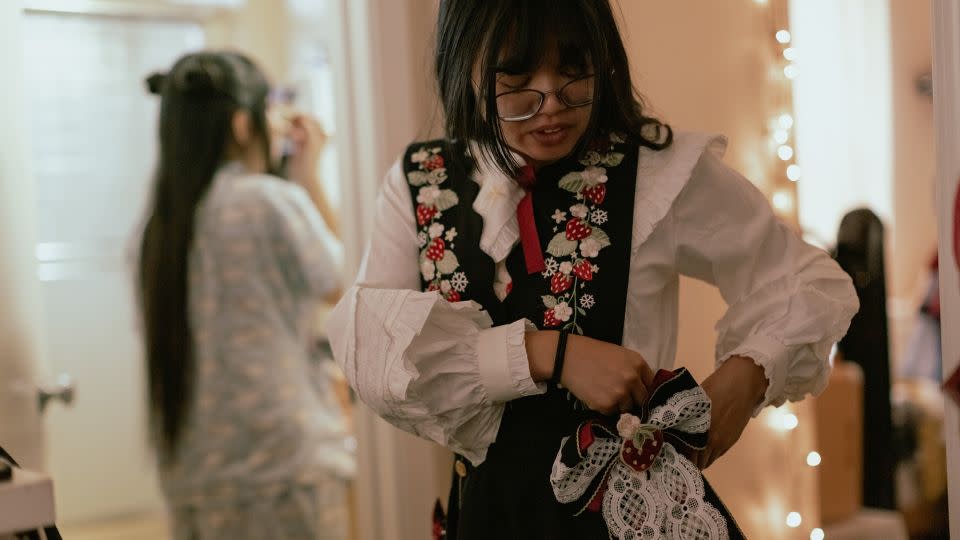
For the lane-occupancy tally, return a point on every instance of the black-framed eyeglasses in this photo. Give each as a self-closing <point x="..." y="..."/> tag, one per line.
<point x="523" y="104"/>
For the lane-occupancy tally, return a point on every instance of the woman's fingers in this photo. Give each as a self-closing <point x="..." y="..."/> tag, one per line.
<point x="639" y="393"/>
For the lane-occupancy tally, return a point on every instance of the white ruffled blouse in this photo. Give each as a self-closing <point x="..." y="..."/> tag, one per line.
<point x="441" y="371"/>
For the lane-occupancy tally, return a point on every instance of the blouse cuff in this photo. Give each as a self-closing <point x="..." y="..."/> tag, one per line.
<point x="503" y="364"/>
<point x="769" y="354"/>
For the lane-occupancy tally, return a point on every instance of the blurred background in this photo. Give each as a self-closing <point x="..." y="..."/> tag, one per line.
<point x="828" y="107"/>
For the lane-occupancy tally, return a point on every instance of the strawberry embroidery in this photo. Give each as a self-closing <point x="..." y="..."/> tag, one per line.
<point x="439" y="266"/>
<point x="583" y="270"/>
<point x="550" y="320"/>
<point x="433" y="163"/>
<point x="577" y="229"/>
<point x="596" y="194"/>
<point x="436" y="249"/>
<point x="425" y="214"/>
<point x="581" y="238"/>
<point x="560" y="283"/>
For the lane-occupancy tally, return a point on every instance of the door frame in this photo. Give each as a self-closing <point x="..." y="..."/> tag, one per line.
<point x="946" y="73"/>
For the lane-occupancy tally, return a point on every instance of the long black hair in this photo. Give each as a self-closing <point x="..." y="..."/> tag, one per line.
<point x="199" y="98"/>
<point x="515" y="36"/>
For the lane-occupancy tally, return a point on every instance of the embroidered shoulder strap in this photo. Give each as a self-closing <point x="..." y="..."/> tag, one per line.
<point x="426" y="168"/>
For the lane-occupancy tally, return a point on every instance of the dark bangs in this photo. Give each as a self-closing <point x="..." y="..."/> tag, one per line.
<point x="510" y="36"/>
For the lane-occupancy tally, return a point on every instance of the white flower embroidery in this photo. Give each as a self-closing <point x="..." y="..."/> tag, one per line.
<point x="595" y="268"/>
<point x="428" y="195"/>
<point x="420" y="156"/>
<point x="429" y="270"/>
<point x="598" y="216"/>
<point x="579" y="210"/>
<point x="422" y="238"/>
<point x="587" y="301"/>
<point x="594" y="175"/>
<point x="559" y="216"/>
<point x="451" y="234"/>
<point x="628" y="425"/>
<point x="562" y="312"/>
<point x="616" y="138"/>
<point x="459" y="282"/>
<point x="445" y="286"/>
<point x="566" y="267"/>
<point x="436" y="229"/>
<point x="589" y="247"/>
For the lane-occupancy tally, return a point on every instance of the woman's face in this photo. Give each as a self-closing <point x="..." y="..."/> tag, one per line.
<point x="554" y="131"/>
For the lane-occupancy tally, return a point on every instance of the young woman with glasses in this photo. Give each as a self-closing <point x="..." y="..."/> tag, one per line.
<point x="522" y="276"/>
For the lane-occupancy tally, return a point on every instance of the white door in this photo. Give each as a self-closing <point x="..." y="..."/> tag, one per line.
<point x="91" y="150"/>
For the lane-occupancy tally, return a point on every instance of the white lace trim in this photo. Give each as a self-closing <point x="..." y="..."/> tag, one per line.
<point x="668" y="504"/>
<point x="688" y="410"/>
<point x="665" y="501"/>
<point x="570" y="483"/>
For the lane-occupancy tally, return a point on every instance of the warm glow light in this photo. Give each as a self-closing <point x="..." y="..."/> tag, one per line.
<point x="790" y="71"/>
<point x="817" y="534"/>
<point x="794" y="520"/>
<point x="813" y="459"/>
<point x="790" y="420"/>
<point x="785" y="152"/>
<point x="781" y="136"/>
<point x="794" y="172"/>
<point x="785" y="121"/>
<point x="783" y="202"/>
<point x="790" y="53"/>
<point x="783" y="36"/>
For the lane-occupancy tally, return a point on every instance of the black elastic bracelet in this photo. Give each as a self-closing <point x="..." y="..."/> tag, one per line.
<point x="561" y="355"/>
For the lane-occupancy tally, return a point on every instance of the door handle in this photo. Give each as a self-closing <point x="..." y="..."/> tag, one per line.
<point x="62" y="389"/>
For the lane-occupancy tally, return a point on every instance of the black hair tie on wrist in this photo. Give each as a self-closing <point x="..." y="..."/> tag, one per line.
<point x="561" y="355"/>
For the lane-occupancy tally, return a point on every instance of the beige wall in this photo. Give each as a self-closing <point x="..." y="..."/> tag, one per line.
<point x="913" y="239"/>
<point x="707" y="70"/>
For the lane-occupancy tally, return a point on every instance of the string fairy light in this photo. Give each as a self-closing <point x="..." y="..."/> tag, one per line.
<point x="785" y="175"/>
<point x="794" y="520"/>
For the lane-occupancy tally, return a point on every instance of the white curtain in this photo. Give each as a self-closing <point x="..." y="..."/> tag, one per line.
<point x="844" y="108"/>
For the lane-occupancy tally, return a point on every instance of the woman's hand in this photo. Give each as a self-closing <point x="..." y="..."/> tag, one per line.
<point x="735" y="389"/>
<point x="308" y="140"/>
<point x="608" y="378"/>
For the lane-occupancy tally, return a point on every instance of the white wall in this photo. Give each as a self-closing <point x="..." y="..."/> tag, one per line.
<point x="946" y="24"/>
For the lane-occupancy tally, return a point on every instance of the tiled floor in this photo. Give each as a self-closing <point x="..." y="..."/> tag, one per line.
<point x="139" y="527"/>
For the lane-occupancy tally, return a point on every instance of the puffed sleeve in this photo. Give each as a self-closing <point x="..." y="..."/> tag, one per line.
<point x="289" y="228"/>
<point x="437" y="369"/>
<point x="293" y="231"/>
<point x="789" y="302"/>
